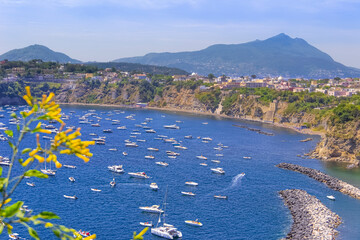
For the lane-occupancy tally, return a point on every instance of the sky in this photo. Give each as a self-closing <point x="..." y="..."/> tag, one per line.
<point x="104" y="30"/>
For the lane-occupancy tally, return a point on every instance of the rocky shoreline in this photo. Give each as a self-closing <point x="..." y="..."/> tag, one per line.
<point x="329" y="181"/>
<point x="311" y="218"/>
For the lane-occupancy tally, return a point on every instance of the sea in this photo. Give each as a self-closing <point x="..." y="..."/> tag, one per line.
<point x="253" y="209"/>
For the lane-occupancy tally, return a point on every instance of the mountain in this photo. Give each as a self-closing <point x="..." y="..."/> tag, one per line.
<point x="278" y="55"/>
<point x="37" y="52"/>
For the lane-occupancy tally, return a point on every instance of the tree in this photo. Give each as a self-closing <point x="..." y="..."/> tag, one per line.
<point x="253" y="76"/>
<point x="211" y="76"/>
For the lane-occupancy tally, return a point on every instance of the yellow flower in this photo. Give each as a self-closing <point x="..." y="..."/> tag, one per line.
<point x="48" y="225"/>
<point x="90" y="237"/>
<point x="30" y="159"/>
<point x="39" y="158"/>
<point x="6" y="202"/>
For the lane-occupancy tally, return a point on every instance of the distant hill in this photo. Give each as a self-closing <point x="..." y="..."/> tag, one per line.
<point x="279" y="55"/>
<point x="129" y="67"/>
<point x="37" y="52"/>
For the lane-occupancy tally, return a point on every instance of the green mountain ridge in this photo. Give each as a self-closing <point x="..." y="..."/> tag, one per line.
<point x="279" y="55"/>
<point x="37" y="52"/>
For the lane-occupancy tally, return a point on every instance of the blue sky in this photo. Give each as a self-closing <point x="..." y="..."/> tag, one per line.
<point x="103" y="30"/>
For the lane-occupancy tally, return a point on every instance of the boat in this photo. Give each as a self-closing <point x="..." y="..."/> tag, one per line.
<point x="113" y="183"/>
<point x="95" y="190"/>
<point x="207" y="138"/>
<point x="220" y="197"/>
<point x="138" y="175"/>
<point x="164" y="164"/>
<point x="100" y="142"/>
<point x="125" y="153"/>
<point x="113" y="149"/>
<point x="116" y="168"/>
<point x="121" y="128"/>
<point x="174" y="126"/>
<point x="95" y="125"/>
<point x="150" y="157"/>
<point x="71" y="179"/>
<point x="30" y="184"/>
<point x="83" y="233"/>
<point x="14" y="236"/>
<point x="152" y="149"/>
<point x="201" y="157"/>
<point x="331" y="197"/>
<point x="246" y="157"/>
<point x="48" y="172"/>
<point x="150" y="131"/>
<point x="215" y="161"/>
<point x="188" y="137"/>
<point x="154" y="186"/>
<point x="194" y="223"/>
<point x="152" y="209"/>
<point x="188" y="193"/>
<point x="205" y="123"/>
<point x="69" y="166"/>
<point x="219" y="155"/>
<point x="5" y="162"/>
<point x="167" y="231"/>
<point x="203" y="164"/>
<point x="180" y="147"/>
<point x="93" y="134"/>
<point x="131" y="144"/>
<point x="173" y="157"/>
<point x="146" y="224"/>
<point x="171" y="153"/>
<point x="190" y="183"/>
<point x="70" y="197"/>
<point x="107" y="131"/>
<point x="218" y="170"/>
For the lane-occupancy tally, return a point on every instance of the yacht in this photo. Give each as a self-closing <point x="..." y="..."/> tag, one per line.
<point x="121" y="128"/>
<point x="93" y="134"/>
<point x="190" y="183"/>
<point x="218" y="170"/>
<point x="71" y="179"/>
<point x="125" y="153"/>
<point x="131" y="144"/>
<point x="246" y="157"/>
<point x="116" y="168"/>
<point x="30" y="184"/>
<point x="203" y="164"/>
<point x="171" y="153"/>
<point x="220" y="197"/>
<point x="152" y="149"/>
<point x="188" y="137"/>
<point x="207" y="139"/>
<point x="152" y="209"/>
<point x="331" y="197"/>
<point x="180" y="147"/>
<point x="194" y="223"/>
<point x="150" y="157"/>
<point x="154" y="186"/>
<point x="113" y="149"/>
<point x="69" y="166"/>
<point x="139" y="175"/>
<point x="164" y="164"/>
<point x="188" y="193"/>
<point x="70" y="197"/>
<point x="215" y="161"/>
<point x="113" y="183"/>
<point x="174" y="126"/>
<point x="95" y="125"/>
<point x="146" y="224"/>
<point x="48" y="172"/>
<point x="107" y="131"/>
<point x="201" y="157"/>
<point x="150" y="131"/>
<point x="95" y="190"/>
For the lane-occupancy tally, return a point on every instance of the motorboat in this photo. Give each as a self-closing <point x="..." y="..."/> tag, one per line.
<point x="138" y="175"/>
<point x="116" y="168"/>
<point x="152" y="209"/>
<point x="69" y="166"/>
<point x="121" y="128"/>
<point x="180" y="147"/>
<point x="215" y="161"/>
<point x="207" y="139"/>
<point x="95" y="190"/>
<point x="246" y="157"/>
<point x="150" y="131"/>
<point x="95" y="125"/>
<point x="93" y="134"/>
<point x="173" y="157"/>
<point x="71" y="179"/>
<point x="48" y="172"/>
<point x="131" y="144"/>
<point x="107" y="131"/>
<point x="220" y="197"/>
<point x="70" y="197"/>
<point x="146" y="224"/>
<point x="201" y="157"/>
<point x="218" y="170"/>
<point x="174" y="126"/>
<point x="188" y="193"/>
<point x="141" y="140"/>
<point x="5" y="162"/>
<point x="190" y="183"/>
<point x="30" y="184"/>
<point x="164" y="164"/>
<point x="331" y="197"/>
<point x="188" y="137"/>
<point x="194" y="223"/>
<point x="203" y="164"/>
<point x="14" y="236"/>
<point x="113" y="183"/>
<point x="125" y="153"/>
<point x="113" y="149"/>
<point x="150" y="157"/>
<point x="171" y="153"/>
<point x="219" y="155"/>
<point x="84" y="233"/>
<point x="205" y="123"/>
<point x="154" y="186"/>
<point x="153" y="149"/>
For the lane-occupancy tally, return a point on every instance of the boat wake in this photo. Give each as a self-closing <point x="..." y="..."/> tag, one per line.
<point x="236" y="181"/>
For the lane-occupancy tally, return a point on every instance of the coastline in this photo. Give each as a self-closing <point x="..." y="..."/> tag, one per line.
<point x="169" y="109"/>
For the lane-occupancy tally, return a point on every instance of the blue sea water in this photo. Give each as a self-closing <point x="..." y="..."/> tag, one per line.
<point x="254" y="209"/>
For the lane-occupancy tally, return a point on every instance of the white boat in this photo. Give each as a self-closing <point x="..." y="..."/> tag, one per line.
<point x="215" y="161"/>
<point x="95" y="190"/>
<point x="139" y="175"/>
<point x="203" y="164"/>
<point x="121" y="128"/>
<point x="246" y="157"/>
<point x="70" y="197"/>
<point x="171" y="153"/>
<point x="113" y="183"/>
<point x="125" y="153"/>
<point x="166" y="230"/>
<point x="219" y="155"/>
<point x="201" y="157"/>
<point x="71" y="179"/>
<point x="95" y="125"/>
<point x="152" y="209"/>
<point x="116" y="168"/>
<point x="174" y="126"/>
<point x="113" y="149"/>
<point x="205" y="123"/>
<point x="220" y="197"/>
<point x="218" y="170"/>
<point x="180" y="147"/>
<point x="152" y="149"/>
<point x="154" y="186"/>
<point x="194" y="223"/>
<point x="30" y="184"/>
<point x="331" y="197"/>
<point x="188" y="137"/>
<point x="150" y="157"/>
<point x="207" y="139"/>
<point x="188" y="193"/>
<point x="173" y="157"/>
<point x="146" y="224"/>
<point x="190" y="183"/>
<point x="131" y="144"/>
<point x="48" y="172"/>
<point x="164" y="164"/>
<point x="107" y="131"/>
<point x="150" y="131"/>
<point x="14" y="236"/>
<point x="69" y="166"/>
<point x="5" y="163"/>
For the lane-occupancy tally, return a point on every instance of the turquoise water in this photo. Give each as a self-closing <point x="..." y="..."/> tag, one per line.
<point x="254" y="209"/>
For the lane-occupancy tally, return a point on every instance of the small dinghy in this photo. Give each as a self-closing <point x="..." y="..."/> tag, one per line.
<point x="70" y="197"/>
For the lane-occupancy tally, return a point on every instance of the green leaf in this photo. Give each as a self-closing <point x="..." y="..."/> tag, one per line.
<point x="1" y="228"/>
<point x="1" y="171"/>
<point x="11" y="145"/>
<point x="2" y="182"/>
<point x="33" y="233"/>
<point x="13" y="115"/>
<point x="18" y="128"/>
<point x="35" y="173"/>
<point x="9" y="133"/>
<point x="26" y="150"/>
<point x="11" y="210"/>
<point x="48" y="215"/>
<point x="36" y="107"/>
<point x="64" y="229"/>
<point x="57" y="233"/>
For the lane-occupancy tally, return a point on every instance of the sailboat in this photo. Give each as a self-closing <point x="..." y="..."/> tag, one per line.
<point x="166" y="230"/>
<point x="46" y="171"/>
